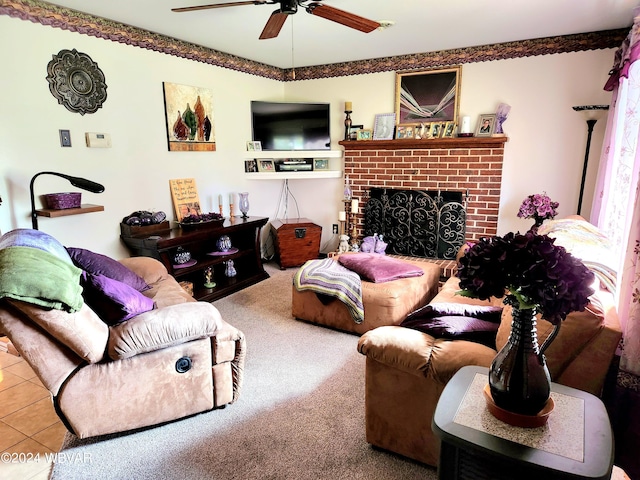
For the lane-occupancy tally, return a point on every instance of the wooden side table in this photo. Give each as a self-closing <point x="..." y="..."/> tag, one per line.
<point x="576" y="442"/>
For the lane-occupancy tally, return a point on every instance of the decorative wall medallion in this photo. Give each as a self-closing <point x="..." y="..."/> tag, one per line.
<point x="76" y="81"/>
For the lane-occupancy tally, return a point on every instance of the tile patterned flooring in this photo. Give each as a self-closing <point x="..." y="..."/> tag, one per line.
<point x="29" y="426"/>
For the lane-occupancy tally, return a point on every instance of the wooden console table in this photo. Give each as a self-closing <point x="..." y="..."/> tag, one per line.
<point x="201" y="243"/>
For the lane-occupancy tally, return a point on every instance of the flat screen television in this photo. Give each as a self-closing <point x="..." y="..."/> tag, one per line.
<point x="291" y="126"/>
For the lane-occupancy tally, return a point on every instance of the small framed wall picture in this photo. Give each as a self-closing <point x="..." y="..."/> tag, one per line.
<point x="384" y="126"/>
<point x="486" y="125"/>
<point x="436" y="130"/>
<point x="250" y="146"/>
<point x="266" y="165"/>
<point x="250" y="166"/>
<point x="363" y="134"/>
<point x="257" y="146"/>
<point x="448" y="130"/>
<point x="321" y="164"/>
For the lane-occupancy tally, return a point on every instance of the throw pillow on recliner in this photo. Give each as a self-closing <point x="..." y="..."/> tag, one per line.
<point x="476" y="323"/>
<point x="113" y="301"/>
<point x="98" y="264"/>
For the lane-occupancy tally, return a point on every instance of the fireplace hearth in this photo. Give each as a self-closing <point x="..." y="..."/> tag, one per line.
<point x="418" y="223"/>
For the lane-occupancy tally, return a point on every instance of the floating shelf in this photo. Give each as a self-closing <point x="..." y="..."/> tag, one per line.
<point x="293" y="175"/>
<point x="84" y="208"/>
<point x="294" y="154"/>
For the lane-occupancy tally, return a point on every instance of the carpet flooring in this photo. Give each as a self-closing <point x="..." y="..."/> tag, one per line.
<point x="300" y="414"/>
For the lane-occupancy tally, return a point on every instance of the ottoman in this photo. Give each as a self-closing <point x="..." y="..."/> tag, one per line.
<point x="385" y="303"/>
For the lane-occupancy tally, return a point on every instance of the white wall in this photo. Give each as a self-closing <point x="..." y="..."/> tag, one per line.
<point x="545" y="149"/>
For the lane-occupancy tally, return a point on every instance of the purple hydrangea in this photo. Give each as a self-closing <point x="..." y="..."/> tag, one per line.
<point x="530" y="270"/>
<point x="539" y="207"/>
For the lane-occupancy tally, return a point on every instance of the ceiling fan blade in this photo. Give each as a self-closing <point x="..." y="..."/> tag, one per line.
<point x="342" y="17"/>
<point x="220" y="5"/>
<point x="274" y="25"/>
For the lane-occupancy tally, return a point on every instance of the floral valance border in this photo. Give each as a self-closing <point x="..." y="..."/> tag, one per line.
<point x="58" y="17"/>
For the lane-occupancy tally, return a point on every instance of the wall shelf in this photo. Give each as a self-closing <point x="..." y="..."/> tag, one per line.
<point x="293" y="175"/>
<point x="84" y="208"/>
<point x="294" y="154"/>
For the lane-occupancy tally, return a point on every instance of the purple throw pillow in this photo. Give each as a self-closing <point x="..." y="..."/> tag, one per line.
<point x="99" y="264"/>
<point x="113" y="301"/>
<point x="456" y="327"/>
<point x="459" y="321"/>
<point x="379" y="268"/>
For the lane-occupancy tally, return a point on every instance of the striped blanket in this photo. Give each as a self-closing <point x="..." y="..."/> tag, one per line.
<point x="328" y="277"/>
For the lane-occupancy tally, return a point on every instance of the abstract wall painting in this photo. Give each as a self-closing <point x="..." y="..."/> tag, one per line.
<point x="189" y="118"/>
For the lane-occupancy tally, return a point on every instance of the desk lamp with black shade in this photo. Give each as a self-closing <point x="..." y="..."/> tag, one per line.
<point x="75" y="181"/>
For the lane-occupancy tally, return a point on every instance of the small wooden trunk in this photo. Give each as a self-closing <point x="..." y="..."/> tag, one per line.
<point x="296" y="240"/>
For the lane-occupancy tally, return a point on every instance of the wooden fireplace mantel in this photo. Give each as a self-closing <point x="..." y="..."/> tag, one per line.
<point x="412" y="144"/>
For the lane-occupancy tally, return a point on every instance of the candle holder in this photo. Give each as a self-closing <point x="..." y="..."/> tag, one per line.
<point x="347" y="125"/>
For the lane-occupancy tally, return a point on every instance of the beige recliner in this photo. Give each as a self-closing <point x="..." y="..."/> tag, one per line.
<point x="179" y="359"/>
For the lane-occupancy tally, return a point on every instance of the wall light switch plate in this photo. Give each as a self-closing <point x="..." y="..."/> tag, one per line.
<point x="98" y="140"/>
<point x="65" y="138"/>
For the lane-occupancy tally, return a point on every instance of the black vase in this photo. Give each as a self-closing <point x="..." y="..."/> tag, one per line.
<point x="519" y="379"/>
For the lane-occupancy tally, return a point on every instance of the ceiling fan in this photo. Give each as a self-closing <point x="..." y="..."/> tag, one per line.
<point x="289" y="7"/>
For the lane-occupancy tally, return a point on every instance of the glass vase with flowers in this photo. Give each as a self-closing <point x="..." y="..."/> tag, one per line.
<point x="536" y="277"/>
<point x="539" y="207"/>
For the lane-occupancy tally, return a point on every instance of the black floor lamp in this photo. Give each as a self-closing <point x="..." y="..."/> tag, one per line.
<point x="591" y="113"/>
<point x="75" y="181"/>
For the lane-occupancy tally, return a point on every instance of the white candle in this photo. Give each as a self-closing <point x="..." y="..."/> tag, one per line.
<point x="342" y="216"/>
<point x="348" y="107"/>
<point x="220" y="200"/>
<point x="231" y="199"/>
<point x="465" y="125"/>
<point x="354" y="206"/>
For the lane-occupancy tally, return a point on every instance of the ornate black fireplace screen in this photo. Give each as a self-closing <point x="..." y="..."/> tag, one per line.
<point x="417" y="223"/>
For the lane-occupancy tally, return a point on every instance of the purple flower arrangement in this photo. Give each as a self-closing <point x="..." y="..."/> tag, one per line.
<point x="530" y="271"/>
<point x="539" y="207"/>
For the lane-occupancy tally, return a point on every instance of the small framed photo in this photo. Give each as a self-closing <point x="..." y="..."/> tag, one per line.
<point x="65" y="138"/>
<point x="423" y="131"/>
<point x="384" y="126"/>
<point x="486" y="125"/>
<point x="404" y="132"/>
<point x="353" y="132"/>
<point x="250" y="146"/>
<point x="250" y="166"/>
<point x="257" y="146"/>
<point x="448" y="130"/>
<point x="265" y="165"/>
<point x="321" y="164"/>
<point x="363" y="134"/>
<point x="436" y="129"/>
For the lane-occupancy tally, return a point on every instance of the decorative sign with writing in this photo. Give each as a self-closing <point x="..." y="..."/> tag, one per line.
<point x="184" y="194"/>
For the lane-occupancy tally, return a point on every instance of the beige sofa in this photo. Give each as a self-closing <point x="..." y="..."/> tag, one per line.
<point x="179" y="359"/>
<point x="407" y="370"/>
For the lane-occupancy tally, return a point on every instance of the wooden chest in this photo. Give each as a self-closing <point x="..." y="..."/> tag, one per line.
<point x="296" y="240"/>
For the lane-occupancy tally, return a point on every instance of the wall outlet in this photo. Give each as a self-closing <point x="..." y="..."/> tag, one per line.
<point x="335" y="228"/>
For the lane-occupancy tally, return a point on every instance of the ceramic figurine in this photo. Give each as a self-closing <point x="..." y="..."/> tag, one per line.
<point x="230" y="270"/>
<point x="208" y="278"/>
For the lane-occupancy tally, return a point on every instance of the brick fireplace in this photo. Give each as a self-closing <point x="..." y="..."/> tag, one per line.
<point x="473" y="165"/>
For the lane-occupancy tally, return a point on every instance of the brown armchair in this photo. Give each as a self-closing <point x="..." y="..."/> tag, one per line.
<point x="179" y="359"/>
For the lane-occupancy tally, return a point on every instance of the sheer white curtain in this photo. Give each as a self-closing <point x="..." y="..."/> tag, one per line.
<point x="616" y="207"/>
